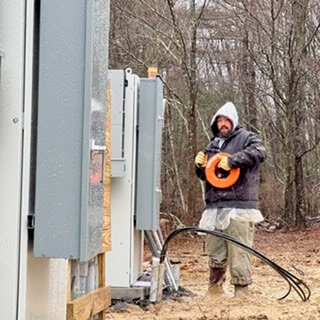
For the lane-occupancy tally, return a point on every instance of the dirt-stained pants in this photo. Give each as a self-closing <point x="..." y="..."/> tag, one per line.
<point x="222" y="252"/>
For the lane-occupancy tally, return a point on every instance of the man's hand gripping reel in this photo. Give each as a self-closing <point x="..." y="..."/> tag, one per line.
<point x="220" y="178"/>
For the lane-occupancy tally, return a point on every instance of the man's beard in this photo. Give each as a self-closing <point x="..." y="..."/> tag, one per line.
<point x="225" y="133"/>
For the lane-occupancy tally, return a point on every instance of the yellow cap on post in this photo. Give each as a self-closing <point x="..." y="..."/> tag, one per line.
<point x="152" y="72"/>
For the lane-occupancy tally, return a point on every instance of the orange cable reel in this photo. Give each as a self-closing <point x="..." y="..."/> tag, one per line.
<point x="220" y="178"/>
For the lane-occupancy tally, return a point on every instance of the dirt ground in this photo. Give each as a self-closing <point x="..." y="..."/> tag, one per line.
<point x="292" y="251"/>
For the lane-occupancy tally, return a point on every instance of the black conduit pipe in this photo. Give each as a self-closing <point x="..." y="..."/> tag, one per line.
<point x="297" y="284"/>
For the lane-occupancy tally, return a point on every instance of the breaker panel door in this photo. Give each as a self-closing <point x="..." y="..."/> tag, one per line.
<point x="71" y="128"/>
<point x="150" y="120"/>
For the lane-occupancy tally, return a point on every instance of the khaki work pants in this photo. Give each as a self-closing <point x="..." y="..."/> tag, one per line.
<point x="222" y="252"/>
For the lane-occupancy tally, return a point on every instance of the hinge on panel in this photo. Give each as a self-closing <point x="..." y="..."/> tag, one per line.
<point x="31" y="221"/>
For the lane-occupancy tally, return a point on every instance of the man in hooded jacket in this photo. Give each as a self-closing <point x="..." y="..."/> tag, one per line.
<point x="233" y="210"/>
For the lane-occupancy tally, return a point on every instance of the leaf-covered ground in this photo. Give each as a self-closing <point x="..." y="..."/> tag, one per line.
<point x="298" y="252"/>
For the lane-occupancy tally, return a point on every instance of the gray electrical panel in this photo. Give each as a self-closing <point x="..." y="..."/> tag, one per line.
<point x="71" y="128"/>
<point x="117" y="80"/>
<point x="150" y="122"/>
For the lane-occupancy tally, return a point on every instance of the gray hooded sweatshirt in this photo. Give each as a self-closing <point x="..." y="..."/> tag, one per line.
<point x="247" y="152"/>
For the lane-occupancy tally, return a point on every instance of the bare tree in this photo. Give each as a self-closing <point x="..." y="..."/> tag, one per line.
<point x="264" y="56"/>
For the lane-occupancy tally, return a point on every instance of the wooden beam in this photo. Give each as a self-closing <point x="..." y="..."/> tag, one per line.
<point x="106" y="229"/>
<point x="102" y="270"/>
<point x="106" y="235"/>
<point x="89" y="305"/>
<point x="102" y="279"/>
<point x="69" y="280"/>
<point x="106" y="223"/>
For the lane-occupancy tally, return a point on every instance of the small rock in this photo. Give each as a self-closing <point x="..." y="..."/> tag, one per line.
<point x="120" y="306"/>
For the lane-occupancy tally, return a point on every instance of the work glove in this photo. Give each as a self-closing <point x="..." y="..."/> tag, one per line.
<point x="223" y="163"/>
<point x="200" y="160"/>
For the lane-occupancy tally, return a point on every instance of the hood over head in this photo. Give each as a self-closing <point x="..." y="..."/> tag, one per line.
<point x="229" y="111"/>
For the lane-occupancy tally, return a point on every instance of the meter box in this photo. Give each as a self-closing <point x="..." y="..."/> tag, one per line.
<point x="73" y="51"/>
<point x="150" y="123"/>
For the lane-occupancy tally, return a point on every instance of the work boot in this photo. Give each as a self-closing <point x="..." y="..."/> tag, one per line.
<point x="216" y="290"/>
<point x="216" y="280"/>
<point x="241" y="290"/>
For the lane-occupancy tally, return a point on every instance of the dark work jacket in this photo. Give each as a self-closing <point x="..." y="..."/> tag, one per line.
<point x="247" y="152"/>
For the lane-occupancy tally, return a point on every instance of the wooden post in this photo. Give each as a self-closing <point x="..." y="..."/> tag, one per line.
<point x="106" y="229"/>
<point x="92" y="303"/>
<point x="102" y="280"/>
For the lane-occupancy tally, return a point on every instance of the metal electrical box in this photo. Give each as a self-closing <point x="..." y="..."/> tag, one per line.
<point x="118" y="91"/>
<point x="124" y="261"/>
<point x="12" y="98"/>
<point x="137" y="117"/>
<point x="150" y="120"/>
<point x="71" y="128"/>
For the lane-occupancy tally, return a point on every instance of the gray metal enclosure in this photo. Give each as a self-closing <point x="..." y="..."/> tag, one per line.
<point x="150" y="120"/>
<point x="136" y="129"/>
<point x="12" y="104"/>
<point x="71" y="128"/>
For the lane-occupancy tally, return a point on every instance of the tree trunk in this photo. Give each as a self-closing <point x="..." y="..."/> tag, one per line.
<point x="300" y="193"/>
<point x="249" y="75"/>
<point x="299" y="12"/>
<point x="191" y="114"/>
<point x="289" y="192"/>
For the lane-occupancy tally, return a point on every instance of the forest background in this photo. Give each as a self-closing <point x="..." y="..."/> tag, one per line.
<point x="263" y="55"/>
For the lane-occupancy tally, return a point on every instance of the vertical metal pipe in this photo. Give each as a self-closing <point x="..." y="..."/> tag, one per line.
<point x="167" y="263"/>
